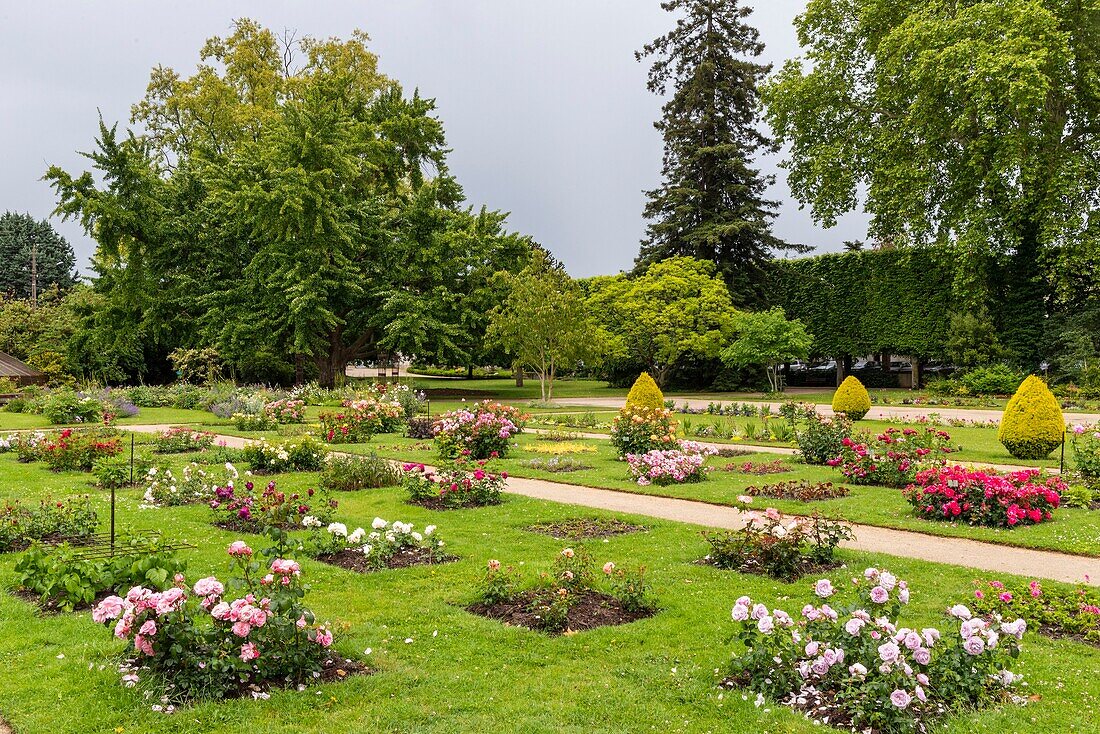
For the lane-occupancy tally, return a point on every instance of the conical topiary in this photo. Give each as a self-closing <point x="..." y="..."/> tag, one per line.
<point x="851" y="399"/>
<point x="1032" y="425"/>
<point x="645" y="393"/>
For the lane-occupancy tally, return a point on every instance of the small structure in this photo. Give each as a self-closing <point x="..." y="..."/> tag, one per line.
<point x="19" y="372"/>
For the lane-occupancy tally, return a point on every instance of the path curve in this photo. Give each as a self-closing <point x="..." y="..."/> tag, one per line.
<point x="983" y="557"/>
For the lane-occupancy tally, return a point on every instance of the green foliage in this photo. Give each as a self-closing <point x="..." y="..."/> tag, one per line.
<point x="851" y="399"/>
<point x="301" y="454"/>
<point x="678" y="307"/>
<point x="819" y="437"/>
<point x="1032" y="425"/>
<point x="997" y="379"/>
<point x="770" y="339"/>
<point x="352" y="473"/>
<point x="20" y="234"/>
<point x="711" y="202"/>
<point x="20" y="524"/>
<point x="972" y="340"/>
<point x="112" y="472"/>
<point x="644" y="393"/>
<point x="783" y="548"/>
<point x="66" y="406"/>
<point x="196" y="366"/>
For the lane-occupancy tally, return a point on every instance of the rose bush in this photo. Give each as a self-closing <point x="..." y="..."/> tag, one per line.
<point x="481" y="432"/>
<point x="985" y="498"/>
<point x="20" y="524"/>
<point x="180" y="440"/>
<point x="639" y="430"/>
<point x="818" y="437"/>
<point x="301" y="454"/>
<point x="459" y="485"/>
<point x="71" y="450"/>
<point x="195" y="484"/>
<point x="361" y="419"/>
<point x="286" y="411"/>
<point x="1056" y="611"/>
<point x="379" y="546"/>
<point x="893" y="457"/>
<point x="241" y="508"/>
<point x="673" y="466"/>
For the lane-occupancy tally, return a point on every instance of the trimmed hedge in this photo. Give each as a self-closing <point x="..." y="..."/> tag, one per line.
<point x="1032" y="425"/>
<point x="851" y="399"/>
<point x="645" y="394"/>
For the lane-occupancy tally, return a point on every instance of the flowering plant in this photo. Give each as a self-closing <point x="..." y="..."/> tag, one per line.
<point x="777" y="546"/>
<point x="857" y="668"/>
<point x="378" y="548"/>
<point x="240" y="508"/>
<point x="361" y="419"/>
<point x="195" y="484"/>
<point x="482" y="432"/>
<point x="455" y="486"/>
<point x="893" y="458"/>
<point x="181" y="439"/>
<point x="204" y="644"/>
<point x="254" y="421"/>
<point x="301" y="454"/>
<point x="70" y="450"/>
<point x="639" y="430"/>
<point x="985" y="498"/>
<point x="1056" y="611"/>
<point x="1086" y="453"/>
<point x="673" y="466"/>
<point x="286" y="411"/>
<point x="818" y="436"/>
<point x="20" y="524"/>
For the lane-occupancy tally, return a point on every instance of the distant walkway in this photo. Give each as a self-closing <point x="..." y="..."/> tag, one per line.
<point x="877" y="412"/>
<point x="983" y="557"/>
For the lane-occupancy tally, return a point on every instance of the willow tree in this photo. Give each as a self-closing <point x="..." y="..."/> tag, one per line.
<point x="967" y="123"/>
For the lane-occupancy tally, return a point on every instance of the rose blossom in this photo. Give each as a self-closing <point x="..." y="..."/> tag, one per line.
<point x="889" y="652"/>
<point x="853" y="626"/>
<point x="765" y="625"/>
<point x="879" y="595"/>
<point x="209" y="586"/>
<point x="740" y="613"/>
<point x="974" y="645"/>
<point x="249" y="651"/>
<point x="900" y="698"/>
<point x="922" y="655"/>
<point x="824" y="588"/>
<point x="108" y="609"/>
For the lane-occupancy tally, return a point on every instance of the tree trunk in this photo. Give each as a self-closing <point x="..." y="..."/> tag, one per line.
<point x="915" y="361"/>
<point x="469" y="372"/>
<point x="517" y="372"/>
<point x="299" y="369"/>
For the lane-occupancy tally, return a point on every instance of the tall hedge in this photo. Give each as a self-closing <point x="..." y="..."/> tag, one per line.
<point x="867" y="302"/>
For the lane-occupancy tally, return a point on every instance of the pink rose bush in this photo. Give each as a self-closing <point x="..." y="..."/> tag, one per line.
<point x="463" y="484"/>
<point x="286" y="411"/>
<point x="181" y="439"/>
<point x="361" y="419"/>
<point x="985" y="498"/>
<point x="1055" y="610"/>
<point x="855" y="664"/>
<point x="482" y="432"/>
<point x="893" y="458"/>
<point x="243" y="508"/>
<point x="671" y="466"/>
<point x="204" y="644"/>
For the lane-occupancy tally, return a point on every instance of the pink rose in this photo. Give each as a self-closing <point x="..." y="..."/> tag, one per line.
<point x="241" y="629"/>
<point x="249" y="651"/>
<point x="149" y="629"/>
<point x="239" y="548"/>
<point x="108" y="609"/>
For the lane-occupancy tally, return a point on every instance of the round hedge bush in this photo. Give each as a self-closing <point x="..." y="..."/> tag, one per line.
<point x="1032" y="425"/>
<point x="645" y="394"/>
<point x="851" y="399"/>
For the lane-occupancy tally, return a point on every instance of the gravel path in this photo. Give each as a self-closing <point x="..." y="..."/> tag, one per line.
<point x="983" y="557"/>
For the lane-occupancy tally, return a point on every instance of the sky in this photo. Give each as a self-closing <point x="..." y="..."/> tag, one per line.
<point x="543" y="103"/>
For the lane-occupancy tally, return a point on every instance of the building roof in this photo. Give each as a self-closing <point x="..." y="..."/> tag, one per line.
<point x="12" y="367"/>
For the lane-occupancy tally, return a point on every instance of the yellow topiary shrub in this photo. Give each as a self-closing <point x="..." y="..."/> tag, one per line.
<point x="851" y="399"/>
<point x="645" y="394"/>
<point x="1032" y="425"/>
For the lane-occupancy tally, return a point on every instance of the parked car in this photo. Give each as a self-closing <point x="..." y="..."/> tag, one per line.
<point x="824" y="366"/>
<point x="797" y="366"/>
<point x="866" y="364"/>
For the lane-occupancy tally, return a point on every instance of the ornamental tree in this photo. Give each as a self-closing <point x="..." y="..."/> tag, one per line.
<point x="768" y="338"/>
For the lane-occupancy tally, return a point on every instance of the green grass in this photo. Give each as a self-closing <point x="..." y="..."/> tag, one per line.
<point x="22" y="421"/>
<point x="462" y="673"/>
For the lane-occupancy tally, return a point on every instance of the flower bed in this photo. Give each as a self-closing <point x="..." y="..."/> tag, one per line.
<point x="240" y="508"/>
<point x="1086" y="454"/>
<point x="361" y="419"/>
<point x="286" y="411"/>
<point x="582" y="528"/>
<point x="994" y="500"/>
<point x="801" y="490"/>
<point x="568" y="598"/>
<point x="388" y="545"/>
<point x="195" y="484"/>
<point x="893" y="458"/>
<point x="302" y="454"/>
<point x="857" y="669"/>
<point x="453" y="487"/>
<point x="482" y="432"/>
<point x="674" y="466"/>
<point x="353" y="473"/>
<point x="759" y="468"/>
<point x="48" y="520"/>
<point x="201" y="644"/>
<point x="180" y="440"/>
<point x="1055" y="611"/>
<point x="254" y="422"/>
<point x="637" y="430"/>
<point x="780" y="547"/>
<point x="70" y="450"/>
<point x="819" y="437"/>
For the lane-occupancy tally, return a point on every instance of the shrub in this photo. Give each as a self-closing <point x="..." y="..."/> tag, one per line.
<point x="180" y="440"/>
<point x="851" y="399"/>
<point x="1079" y="497"/>
<point x="419" y="428"/>
<point x="639" y="430"/>
<point x="111" y="472"/>
<point x="857" y="667"/>
<point x="777" y="546"/>
<point x="997" y="379"/>
<point x="254" y="422"/>
<point x="286" y="411"/>
<point x="1086" y="453"/>
<point x="1055" y="611"/>
<point x="49" y="519"/>
<point x="352" y="473"/>
<point x="673" y="466"/>
<point x="64" y="579"/>
<point x="801" y="490"/>
<point x="776" y="466"/>
<point x="65" y="406"/>
<point x="453" y="487"/>
<point x="205" y="645"/>
<point x="819" y="437"/>
<point x="481" y="433"/>
<point x="361" y="419"/>
<point x="302" y="454"/>
<point x="381" y="546"/>
<point x="645" y="394"/>
<point x="70" y="450"/>
<point x="240" y="508"/>
<point x="980" y="498"/>
<point x="892" y="458"/>
<point x="195" y="484"/>
<point x="1032" y="425"/>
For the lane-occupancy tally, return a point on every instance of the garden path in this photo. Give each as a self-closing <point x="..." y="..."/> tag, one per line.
<point x="983" y="557"/>
<point x="877" y="412"/>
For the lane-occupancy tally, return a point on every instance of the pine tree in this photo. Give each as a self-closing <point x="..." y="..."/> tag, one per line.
<point x="20" y="234"/>
<point x="711" y="203"/>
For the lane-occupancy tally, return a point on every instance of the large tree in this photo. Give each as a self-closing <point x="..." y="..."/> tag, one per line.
<point x="23" y="240"/>
<point x="967" y="123"/>
<point x="711" y="203"/>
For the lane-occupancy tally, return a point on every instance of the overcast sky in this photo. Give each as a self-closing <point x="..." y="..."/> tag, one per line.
<point x="543" y="103"/>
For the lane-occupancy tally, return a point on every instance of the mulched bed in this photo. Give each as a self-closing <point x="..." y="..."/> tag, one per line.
<point x="584" y="527"/>
<point x="1056" y="633"/>
<point x="800" y="490"/>
<point x="753" y="567"/>
<point x="437" y="504"/>
<point x="354" y="560"/>
<point x="593" y="609"/>
<point x="50" y="607"/>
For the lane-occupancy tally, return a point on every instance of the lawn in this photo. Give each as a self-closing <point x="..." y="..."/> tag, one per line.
<point x="440" y="669"/>
<point x="174" y="416"/>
